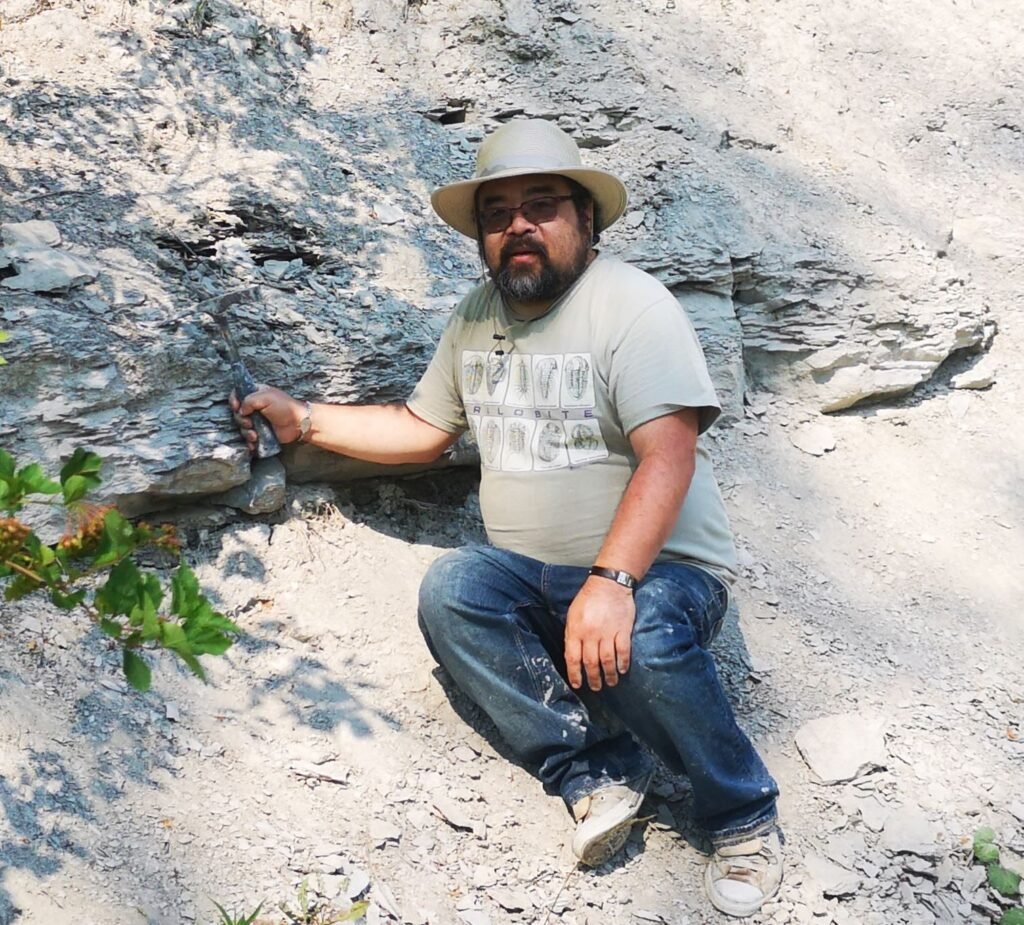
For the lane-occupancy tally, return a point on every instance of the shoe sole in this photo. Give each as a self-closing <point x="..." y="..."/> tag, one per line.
<point x="737" y="910"/>
<point x="594" y="849"/>
<point x="603" y="847"/>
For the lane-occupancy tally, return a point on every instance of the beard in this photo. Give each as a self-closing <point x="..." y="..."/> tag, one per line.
<point x="537" y="284"/>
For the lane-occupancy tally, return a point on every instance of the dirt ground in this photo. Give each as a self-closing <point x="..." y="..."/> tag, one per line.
<point x="883" y="578"/>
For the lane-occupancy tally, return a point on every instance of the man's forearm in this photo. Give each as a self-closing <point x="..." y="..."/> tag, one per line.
<point x="377" y="433"/>
<point x="647" y="513"/>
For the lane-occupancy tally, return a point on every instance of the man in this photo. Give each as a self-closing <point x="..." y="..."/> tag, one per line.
<point x="611" y="557"/>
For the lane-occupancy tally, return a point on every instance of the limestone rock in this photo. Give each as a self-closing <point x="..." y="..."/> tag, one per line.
<point x="46" y="269"/>
<point x="29" y="234"/>
<point x="832" y="879"/>
<point x="909" y="831"/>
<point x="814" y="439"/>
<point x="263" y="493"/>
<point x="841" y="747"/>
<point x="980" y="376"/>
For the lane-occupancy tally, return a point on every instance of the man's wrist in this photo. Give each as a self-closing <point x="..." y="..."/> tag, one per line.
<point x="621" y="578"/>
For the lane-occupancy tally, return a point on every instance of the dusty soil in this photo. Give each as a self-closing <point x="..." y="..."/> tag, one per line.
<point x="880" y="578"/>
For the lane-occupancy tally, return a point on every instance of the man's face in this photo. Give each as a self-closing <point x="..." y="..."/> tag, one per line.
<point x="534" y="262"/>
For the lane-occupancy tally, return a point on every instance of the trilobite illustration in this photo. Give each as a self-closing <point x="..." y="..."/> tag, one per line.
<point x="496" y="367"/>
<point x="517" y="438"/>
<point x="473" y="374"/>
<point x="577" y="376"/>
<point x="492" y="442"/>
<point x="546" y="370"/>
<point x="583" y="438"/>
<point x="521" y="377"/>
<point x="550" y="442"/>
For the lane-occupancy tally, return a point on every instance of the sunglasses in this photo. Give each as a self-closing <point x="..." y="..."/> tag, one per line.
<point x="536" y="211"/>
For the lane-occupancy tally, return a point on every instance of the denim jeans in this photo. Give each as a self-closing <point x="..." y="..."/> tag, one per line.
<point x="496" y="620"/>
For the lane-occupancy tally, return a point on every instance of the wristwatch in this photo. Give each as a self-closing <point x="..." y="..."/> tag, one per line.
<point x="620" y="578"/>
<point x="306" y="423"/>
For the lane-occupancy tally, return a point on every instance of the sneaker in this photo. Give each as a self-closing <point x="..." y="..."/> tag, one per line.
<point x="604" y="820"/>
<point x="740" y="878"/>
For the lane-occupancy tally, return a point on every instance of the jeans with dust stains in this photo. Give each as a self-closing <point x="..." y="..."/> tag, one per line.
<point x="495" y="620"/>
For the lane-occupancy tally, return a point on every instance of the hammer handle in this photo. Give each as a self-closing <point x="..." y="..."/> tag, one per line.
<point x="267" y="443"/>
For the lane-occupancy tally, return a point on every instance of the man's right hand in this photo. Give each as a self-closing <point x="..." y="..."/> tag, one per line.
<point x="283" y="412"/>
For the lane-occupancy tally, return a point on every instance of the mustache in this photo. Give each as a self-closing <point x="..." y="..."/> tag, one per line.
<point x="522" y="247"/>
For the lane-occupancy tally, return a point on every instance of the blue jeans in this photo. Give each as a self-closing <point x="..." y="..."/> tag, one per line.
<point x="496" y="620"/>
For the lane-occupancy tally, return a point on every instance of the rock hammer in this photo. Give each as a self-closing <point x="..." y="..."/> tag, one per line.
<point x="267" y="443"/>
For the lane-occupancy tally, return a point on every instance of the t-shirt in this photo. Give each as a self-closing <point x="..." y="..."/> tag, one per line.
<point x="552" y="411"/>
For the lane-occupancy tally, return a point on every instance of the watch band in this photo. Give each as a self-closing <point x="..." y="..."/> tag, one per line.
<point x="306" y="423"/>
<point x="620" y="578"/>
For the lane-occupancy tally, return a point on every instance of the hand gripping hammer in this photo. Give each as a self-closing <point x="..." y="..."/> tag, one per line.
<point x="267" y="443"/>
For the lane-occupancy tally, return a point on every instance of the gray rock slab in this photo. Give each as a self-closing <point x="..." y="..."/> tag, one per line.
<point x="44" y="269"/>
<point x="263" y="493"/>
<point x="910" y="831"/>
<point x="832" y="879"/>
<point x="29" y="234"/>
<point x="841" y="747"/>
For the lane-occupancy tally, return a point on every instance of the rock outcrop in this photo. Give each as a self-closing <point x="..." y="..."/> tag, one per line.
<point x="303" y="163"/>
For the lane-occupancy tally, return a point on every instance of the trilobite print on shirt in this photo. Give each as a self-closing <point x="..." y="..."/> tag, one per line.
<point x="532" y="411"/>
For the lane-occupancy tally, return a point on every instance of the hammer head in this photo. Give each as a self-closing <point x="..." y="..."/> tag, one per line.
<point x="219" y="304"/>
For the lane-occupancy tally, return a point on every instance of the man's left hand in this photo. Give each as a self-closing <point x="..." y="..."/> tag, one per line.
<point x="598" y="633"/>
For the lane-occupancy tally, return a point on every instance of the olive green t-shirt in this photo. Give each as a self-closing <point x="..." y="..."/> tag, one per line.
<point x="552" y="412"/>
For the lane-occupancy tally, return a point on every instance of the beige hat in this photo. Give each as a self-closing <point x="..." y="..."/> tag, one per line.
<point x="522" y="147"/>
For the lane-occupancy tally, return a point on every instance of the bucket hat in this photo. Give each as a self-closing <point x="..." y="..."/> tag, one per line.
<point x="521" y="147"/>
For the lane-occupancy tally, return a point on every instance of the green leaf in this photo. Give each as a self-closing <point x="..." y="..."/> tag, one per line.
<point x="75" y="488"/>
<point x="210" y="642"/>
<point x="7" y="465"/>
<point x="984" y="836"/>
<point x="136" y="671"/>
<point x="173" y="636"/>
<point x="66" y="601"/>
<point x="84" y="463"/>
<point x="986" y="853"/>
<point x="1003" y="881"/>
<point x="121" y="592"/>
<point x="1013" y="916"/>
<point x="193" y="663"/>
<point x="34" y="481"/>
<point x="111" y="627"/>
<point x="357" y="911"/>
<point x="185" y="595"/>
<point x="117" y="541"/>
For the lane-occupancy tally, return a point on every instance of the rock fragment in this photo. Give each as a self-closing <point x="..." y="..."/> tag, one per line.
<point x="841" y="747"/>
<point x="832" y="879"/>
<point x="909" y="831"/>
<point x="981" y="376"/>
<point x="263" y="493"/>
<point x="814" y="439"/>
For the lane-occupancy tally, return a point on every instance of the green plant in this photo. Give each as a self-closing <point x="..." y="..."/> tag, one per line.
<point x="1004" y="881"/>
<point x="130" y="605"/>
<point x="200" y="17"/>
<point x="226" y="919"/>
<point x="4" y="336"/>
<point x="310" y="912"/>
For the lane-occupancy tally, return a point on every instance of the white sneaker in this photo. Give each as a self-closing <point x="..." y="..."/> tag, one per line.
<point x="604" y="820"/>
<point x="740" y="878"/>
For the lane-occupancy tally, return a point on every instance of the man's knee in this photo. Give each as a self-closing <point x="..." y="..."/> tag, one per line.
<point x="447" y="579"/>
<point x="472" y="591"/>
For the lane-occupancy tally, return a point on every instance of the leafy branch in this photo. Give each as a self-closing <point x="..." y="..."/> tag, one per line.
<point x="129" y="605"/>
